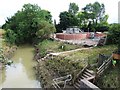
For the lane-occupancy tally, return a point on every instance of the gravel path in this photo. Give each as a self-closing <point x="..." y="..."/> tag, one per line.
<point x="59" y="53"/>
<point x="89" y="42"/>
<point x="65" y="52"/>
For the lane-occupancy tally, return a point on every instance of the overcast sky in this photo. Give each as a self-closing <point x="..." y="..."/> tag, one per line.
<point x="9" y="7"/>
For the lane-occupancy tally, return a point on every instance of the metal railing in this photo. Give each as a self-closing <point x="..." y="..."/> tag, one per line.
<point x="61" y="80"/>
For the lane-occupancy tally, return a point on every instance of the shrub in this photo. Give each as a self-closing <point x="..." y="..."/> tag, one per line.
<point x="119" y="45"/>
<point x="114" y="34"/>
<point x="10" y="36"/>
<point x="62" y="66"/>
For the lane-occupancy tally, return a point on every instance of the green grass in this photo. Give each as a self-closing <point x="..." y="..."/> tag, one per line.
<point x="111" y="77"/>
<point x="72" y="63"/>
<point x="63" y="66"/>
<point x="48" y="46"/>
<point x="91" y="55"/>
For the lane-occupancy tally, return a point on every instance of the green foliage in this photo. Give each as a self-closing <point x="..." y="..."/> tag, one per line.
<point x="73" y="8"/>
<point x="26" y="22"/>
<point x="94" y="14"/>
<point x="110" y="79"/>
<point x="91" y="54"/>
<point x="47" y="46"/>
<point x="68" y="18"/>
<point x="10" y="36"/>
<point x="67" y="47"/>
<point x="62" y="66"/>
<point x="1" y="55"/>
<point x="94" y="11"/>
<point x="45" y="30"/>
<point x="114" y="34"/>
<point x="3" y="59"/>
<point x="92" y="18"/>
<point x="119" y="44"/>
<point x="82" y="19"/>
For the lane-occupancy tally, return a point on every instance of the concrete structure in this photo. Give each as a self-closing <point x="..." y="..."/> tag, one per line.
<point x="72" y="30"/>
<point x="74" y="33"/>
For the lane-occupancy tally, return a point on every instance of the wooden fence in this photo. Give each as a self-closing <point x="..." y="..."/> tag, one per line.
<point x="104" y="66"/>
<point x="87" y="85"/>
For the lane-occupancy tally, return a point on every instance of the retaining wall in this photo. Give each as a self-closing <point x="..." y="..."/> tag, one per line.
<point x="70" y="36"/>
<point x="79" y="36"/>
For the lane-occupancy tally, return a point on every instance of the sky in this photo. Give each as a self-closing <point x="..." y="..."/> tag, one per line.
<point x="9" y="7"/>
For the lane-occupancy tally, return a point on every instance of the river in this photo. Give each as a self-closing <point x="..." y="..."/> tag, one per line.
<point x="21" y="73"/>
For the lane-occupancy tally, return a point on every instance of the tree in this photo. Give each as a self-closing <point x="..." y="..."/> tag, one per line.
<point x="73" y="8"/>
<point x="95" y="13"/>
<point x="114" y="36"/>
<point x="82" y="20"/>
<point x="45" y="30"/>
<point x="68" y="18"/>
<point x="25" y="23"/>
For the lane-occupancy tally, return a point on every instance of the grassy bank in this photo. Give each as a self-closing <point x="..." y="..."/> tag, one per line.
<point x="111" y="78"/>
<point x="70" y="63"/>
<point x="48" y="46"/>
<point x="6" y="52"/>
<point x="91" y="55"/>
<point x="2" y="31"/>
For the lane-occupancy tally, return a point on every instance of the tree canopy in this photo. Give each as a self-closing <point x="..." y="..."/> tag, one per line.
<point x="92" y="17"/>
<point x="26" y="22"/>
<point x="68" y="18"/>
<point x="73" y="8"/>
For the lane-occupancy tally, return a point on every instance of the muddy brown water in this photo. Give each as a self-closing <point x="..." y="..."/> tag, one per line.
<point x="21" y="73"/>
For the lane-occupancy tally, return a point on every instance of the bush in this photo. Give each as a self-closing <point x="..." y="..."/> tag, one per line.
<point x="28" y="21"/>
<point x="62" y="66"/>
<point x="118" y="49"/>
<point x="100" y="28"/>
<point x="10" y="36"/>
<point x="114" y="34"/>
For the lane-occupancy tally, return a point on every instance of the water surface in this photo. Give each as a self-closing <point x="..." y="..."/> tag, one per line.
<point x="21" y="73"/>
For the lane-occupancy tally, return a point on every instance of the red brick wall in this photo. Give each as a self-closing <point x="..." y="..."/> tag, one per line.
<point x="65" y="36"/>
<point x="70" y="36"/>
<point x="96" y="35"/>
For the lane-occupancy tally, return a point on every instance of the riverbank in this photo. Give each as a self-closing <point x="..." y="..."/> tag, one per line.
<point x="7" y="50"/>
<point x="70" y="63"/>
<point x="0" y="67"/>
<point x="6" y="55"/>
<point x="51" y="46"/>
<point x="111" y="78"/>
